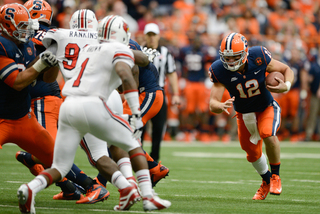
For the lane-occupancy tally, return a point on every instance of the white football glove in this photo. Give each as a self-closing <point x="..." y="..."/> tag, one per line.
<point x="136" y="124"/>
<point x="49" y="59"/>
<point x="34" y="24"/>
<point x="150" y="53"/>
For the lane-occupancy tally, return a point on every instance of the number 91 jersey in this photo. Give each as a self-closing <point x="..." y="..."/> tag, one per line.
<point x="70" y="42"/>
<point x="95" y="74"/>
<point x="249" y="88"/>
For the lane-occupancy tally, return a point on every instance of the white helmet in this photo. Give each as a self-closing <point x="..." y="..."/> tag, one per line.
<point x="114" y="28"/>
<point x="83" y="19"/>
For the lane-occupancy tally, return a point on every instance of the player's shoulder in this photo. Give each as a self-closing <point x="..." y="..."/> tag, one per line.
<point x="7" y="47"/>
<point x="259" y="55"/>
<point x="217" y="66"/>
<point x="217" y="71"/>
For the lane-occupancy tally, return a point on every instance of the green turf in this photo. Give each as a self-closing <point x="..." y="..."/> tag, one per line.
<point x="213" y="178"/>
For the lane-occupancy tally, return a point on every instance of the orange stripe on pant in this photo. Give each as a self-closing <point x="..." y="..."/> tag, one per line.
<point x="29" y="135"/>
<point x="149" y="110"/>
<point x="268" y="122"/>
<point x="47" y="111"/>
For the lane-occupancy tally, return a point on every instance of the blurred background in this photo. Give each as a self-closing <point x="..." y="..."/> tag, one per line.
<point x="288" y="28"/>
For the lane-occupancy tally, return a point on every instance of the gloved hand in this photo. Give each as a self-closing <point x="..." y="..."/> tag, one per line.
<point x="136" y="124"/>
<point x="49" y="59"/>
<point x="150" y="53"/>
<point x="34" y="24"/>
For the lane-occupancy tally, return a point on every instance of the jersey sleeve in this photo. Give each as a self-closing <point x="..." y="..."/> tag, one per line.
<point x="134" y="45"/>
<point x="212" y="74"/>
<point x="51" y="35"/>
<point x="266" y="54"/>
<point x="123" y="54"/>
<point x="8" y="70"/>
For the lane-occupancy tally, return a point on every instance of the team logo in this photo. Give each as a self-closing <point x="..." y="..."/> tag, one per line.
<point x="258" y="61"/>
<point x="29" y="50"/>
<point x="125" y="27"/>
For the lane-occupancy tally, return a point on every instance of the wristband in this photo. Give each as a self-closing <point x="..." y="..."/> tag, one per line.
<point x="132" y="98"/>
<point x="39" y="66"/>
<point x="288" y="83"/>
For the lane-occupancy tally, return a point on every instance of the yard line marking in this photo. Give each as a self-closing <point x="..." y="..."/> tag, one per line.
<point x="94" y="210"/>
<point x="242" y="155"/>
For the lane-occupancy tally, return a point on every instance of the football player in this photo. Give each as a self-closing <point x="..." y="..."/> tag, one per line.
<point x="18" y="69"/>
<point x="101" y="69"/>
<point x="46" y="102"/>
<point x="241" y="70"/>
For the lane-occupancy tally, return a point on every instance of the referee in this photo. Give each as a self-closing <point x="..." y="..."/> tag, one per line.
<point x="166" y="67"/>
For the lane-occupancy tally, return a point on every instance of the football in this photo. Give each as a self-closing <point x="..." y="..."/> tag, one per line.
<point x="270" y="78"/>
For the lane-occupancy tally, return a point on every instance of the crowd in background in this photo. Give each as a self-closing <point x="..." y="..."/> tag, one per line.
<point x="193" y="29"/>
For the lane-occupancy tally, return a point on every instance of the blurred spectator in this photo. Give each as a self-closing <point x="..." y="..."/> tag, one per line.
<point x="195" y="113"/>
<point x="63" y="18"/>
<point x="314" y="108"/>
<point x="120" y="9"/>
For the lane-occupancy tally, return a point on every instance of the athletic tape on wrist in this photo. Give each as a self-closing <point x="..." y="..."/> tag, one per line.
<point x="39" y="66"/>
<point x="132" y="98"/>
<point x="288" y="83"/>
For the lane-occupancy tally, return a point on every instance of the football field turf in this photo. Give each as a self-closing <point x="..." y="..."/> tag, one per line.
<point x="203" y="178"/>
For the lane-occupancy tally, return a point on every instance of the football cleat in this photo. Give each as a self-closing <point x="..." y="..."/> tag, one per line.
<point x="98" y="182"/>
<point x="132" y="180"/>
<point x="35" y="169"/>
<point x="275" y="185"/>
<point x="26" y="199"/>
<point x="157" y="173"/>
<point x="95" y="194"/>
<point x="128" y="197"/>
<point x="155" y="203"/>
<point x="69" y="196"/>
<point x="262" y="192"/>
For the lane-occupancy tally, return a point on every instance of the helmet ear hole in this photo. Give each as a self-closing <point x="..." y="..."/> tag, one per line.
<point x="34" y="15"/>
<point x="8" y="26"/>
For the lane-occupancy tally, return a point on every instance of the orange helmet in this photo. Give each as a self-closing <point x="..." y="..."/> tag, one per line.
<point x="15" y="22"/>
<point x="232" y="45"/>
<point x="39" y="9"/>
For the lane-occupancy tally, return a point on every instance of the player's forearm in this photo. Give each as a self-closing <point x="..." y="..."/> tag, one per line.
<point x="25" y="78"/>
<point x="140" y="58"/>
<point x="288" y="75"/>
<point x="51" y="74"/>
<point x="173" y="80"/>
<point x="214" y="106"/>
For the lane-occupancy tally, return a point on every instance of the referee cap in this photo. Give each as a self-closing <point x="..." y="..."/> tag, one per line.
<point x="151" y="27"/>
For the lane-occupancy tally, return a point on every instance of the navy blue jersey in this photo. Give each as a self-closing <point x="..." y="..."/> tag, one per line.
<point x="148" y="76"/>
<point x="315" y="73"/>
<point x="14" y="104"/>
<point x="249" y="88"/>
<point x="41" y="88"/>
<point x="193" y="62"/>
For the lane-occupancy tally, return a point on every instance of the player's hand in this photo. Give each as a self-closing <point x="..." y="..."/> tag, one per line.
<point x="34" y="24"/>
<point x="227" y="104"/>
<point x="49" y="59"/>
<point x="150" y="53"/>
<point x="175" y="100"/>
<point x="280" y="88"/>
<point x="136" y="124"/>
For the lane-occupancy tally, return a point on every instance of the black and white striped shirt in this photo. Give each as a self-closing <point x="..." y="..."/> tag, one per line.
<point x="164" y="63"/>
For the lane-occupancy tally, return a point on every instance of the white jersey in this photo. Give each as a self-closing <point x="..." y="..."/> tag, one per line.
<point x="95" y="74"/>
<point x="70" y="42"/>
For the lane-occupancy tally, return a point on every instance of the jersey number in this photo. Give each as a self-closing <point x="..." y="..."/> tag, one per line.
<point x="83" y="67"/>
<point x="252" y="88"/>
<point x="71" y="53"/>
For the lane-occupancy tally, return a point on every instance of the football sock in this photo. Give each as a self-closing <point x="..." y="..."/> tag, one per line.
<point x="151" y="162"/>
<point x="66" y="186"/>
<point x="125" y="167"/>
<point x="119" y="181"/>
<point x="266" y="177"/>
<point x="37" y="184"/>
<point x="26" y="159"/>
<point x="102" y="180"/>
<point x="275" y="168"/>
<point x="143" y="177"/>
<point x="77" y="176"/>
